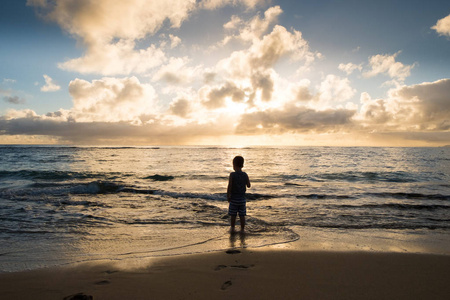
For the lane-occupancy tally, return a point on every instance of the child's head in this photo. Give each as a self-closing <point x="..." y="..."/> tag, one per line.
<point x="238" y="161"/>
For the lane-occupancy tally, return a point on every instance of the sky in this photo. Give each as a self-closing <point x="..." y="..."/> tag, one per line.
<point x="225" y="72"/>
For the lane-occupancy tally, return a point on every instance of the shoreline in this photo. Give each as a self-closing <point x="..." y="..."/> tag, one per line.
<point x="261" y="273"/>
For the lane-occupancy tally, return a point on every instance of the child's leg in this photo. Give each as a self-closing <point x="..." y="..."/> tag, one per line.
<point x="233" y="222"/>
<point x="242" y="219"/>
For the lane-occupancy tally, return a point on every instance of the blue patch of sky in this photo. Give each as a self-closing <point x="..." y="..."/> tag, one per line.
<point x="335" y="28"/>
<point x="33" y="47"/>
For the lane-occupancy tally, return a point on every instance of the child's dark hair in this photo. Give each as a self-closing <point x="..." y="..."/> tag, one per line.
<point x="238" y="161"/>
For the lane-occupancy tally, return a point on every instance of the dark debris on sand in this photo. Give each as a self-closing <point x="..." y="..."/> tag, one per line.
<point x="79" y="296"/>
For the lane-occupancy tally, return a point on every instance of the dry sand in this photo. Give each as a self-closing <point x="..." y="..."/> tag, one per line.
<point x="249" y="274"/>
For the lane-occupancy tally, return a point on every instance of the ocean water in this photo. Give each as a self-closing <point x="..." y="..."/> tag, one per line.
<point x="62" y="205"/>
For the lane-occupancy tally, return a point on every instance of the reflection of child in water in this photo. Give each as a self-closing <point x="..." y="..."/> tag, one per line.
<point x="237" y="185"/>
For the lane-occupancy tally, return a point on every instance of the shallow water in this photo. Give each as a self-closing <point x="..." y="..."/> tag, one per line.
<point x="62" y="205"/>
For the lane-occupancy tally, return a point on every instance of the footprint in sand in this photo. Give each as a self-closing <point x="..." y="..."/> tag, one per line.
<point x="219" y="267"/>
<point x="103" y="282"/>
<point x="226" y="285"/>
<point x="242" y="266"/>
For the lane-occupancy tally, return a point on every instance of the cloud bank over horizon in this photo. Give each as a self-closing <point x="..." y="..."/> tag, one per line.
<point x="258" y="83"/>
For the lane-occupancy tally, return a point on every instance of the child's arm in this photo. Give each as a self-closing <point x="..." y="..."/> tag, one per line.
<point x="248" y="182"/>
<point x="230" y="183"/>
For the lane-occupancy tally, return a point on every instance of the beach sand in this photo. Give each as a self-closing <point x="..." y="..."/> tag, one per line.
<point x="249" y="274"/>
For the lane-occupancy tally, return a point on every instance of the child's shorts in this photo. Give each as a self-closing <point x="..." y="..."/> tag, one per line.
<point x="236" y="208"/>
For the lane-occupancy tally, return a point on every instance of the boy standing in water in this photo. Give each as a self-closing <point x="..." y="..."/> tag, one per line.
<point x="237" y="184"/>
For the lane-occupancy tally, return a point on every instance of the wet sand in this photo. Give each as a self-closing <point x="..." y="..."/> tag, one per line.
<point x="243" y="274"/>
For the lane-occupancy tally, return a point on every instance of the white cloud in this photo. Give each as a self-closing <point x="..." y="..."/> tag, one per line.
<point x="110" y="29"/>
<point x="214" y="4"/>
<point x="256" y="27"/>
<point x="176" y="71"/>
<point x="174" y="41"/>
<point x="386" y="64"/>
<point x="420" y="107"/>
<point x="115" y="59"/>
<point x="252" y="30"/>
<point x="9" y="81"/>
<point x="335" y="89"/>
<point x="443" y="26"/>
<point x="349" y="68"/>
<point x="234" y="23"/>
<point x="12" y="114"/>
<point x="112" y="100"/>
<point x="265" y="52"/>
<point x="49" y="86"/>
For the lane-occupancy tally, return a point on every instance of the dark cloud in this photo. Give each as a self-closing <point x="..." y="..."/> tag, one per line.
<point x="294" y="119"/>
<point x="156" y="132"/>
<point x="432" y="98"/>
<point x="424" y="106"/>
<point x="14" y="99"/>
<point x="263" y="82"/>
<point x="303" y="94"/>
<point x="171" y="78"/>
<point x="216" y="97"/>
<point x="209" y="77"/>
<point x="180" y="107"/>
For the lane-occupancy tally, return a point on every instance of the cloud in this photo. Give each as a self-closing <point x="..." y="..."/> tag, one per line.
<point x="112" y="100"/>
<point x="156" y="131"/>
<point x="109" y="30"/>
<point x="279" y="43"/>
<point x="349" y="68"/>
<point x="14" y="99"/>
<point x="443" y="26"/>
<point x="115" y="59"/>
<point x="386" y="64"/>
<point x="250" y="72"/>
<point x="409" y="109"/>
<point x="254" y="28"/>
<point x="9" y="81"/>
<point x="266" y="51"/>
<point x="215" y="97"/>
<point x="420" y="107"/>
<point x="294" y="119"/>
<point x="335" y="89"/>
<point x="262" y="81"/>
<point x="214" y="4"/>
<point x="174" y="41"/>
<point x="243" y="93"/>
<point x="49" y="86"/>
<point x="99" y="22"/>
<point x="234" y="23"/>
<point x="176" y="71"/>
<point x="430" y="104"/>
<point x="180" y="107"/>
<point x="9" y="97"/>
<point x="302" y="93"/>
<point x="409" y="114"/>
